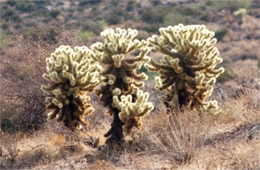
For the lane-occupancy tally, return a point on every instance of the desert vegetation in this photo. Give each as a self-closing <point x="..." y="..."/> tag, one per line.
<point x="129" y="84"/>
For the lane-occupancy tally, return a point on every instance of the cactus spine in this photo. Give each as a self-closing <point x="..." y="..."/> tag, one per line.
<point x="188" y="68"/>
<point x="120" y="79"/>
<point x="71" y="74"/>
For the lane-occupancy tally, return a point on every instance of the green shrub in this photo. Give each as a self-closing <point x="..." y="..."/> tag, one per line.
<point x="86" y="35"/>
<point x="94" y="26"/>
<point x="226" y="76"/>
<point x="54" y="13"/>
<point x="25" y="6"/>
<point x="151" y="28"/>
<point x="113" y="19"/>
<point x="152" y="16"/>
<point x="232" y="5"/>
<point x="176" y="18"/>
<point x="11" y="2"/>
<point x="88" y="2"/>
<point x="3" y="38"/>
<point x="130" y="6"/>
<point x="219" y="34"/>
<point x="48" y="35"/>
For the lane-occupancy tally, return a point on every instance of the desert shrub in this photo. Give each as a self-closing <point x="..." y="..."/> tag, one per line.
<point x="130" y="6"/>
<point x="152" y="16"/>
<point x="245" y="56"/>
<point x="175" y="136"/>
<point x="188" y="67"/>
<point x="89" y="2"/>
<point x="4" y="27"/>
<point x="3" y="38"/>
<point x="156" y="2"/>
<point x="45" y="35"/>
<point x="176" y="18"/>
<point x="113" y="19"/>
<point x="22" y="110"/>
<point x="219" y="34"/>
<point x="22" y="102"/>
<point x="151" y="28"/>
<point x="114" y="14"/>
<point x="22" y="106"/>
<point x="9" y="143"/>
<point x="10" y="15"/>
<point x="11" y="2"/>
<point x="94" y="26"/>
<point x="230" y="5"/>
<point x="25" y="6"/>
<point x="86" y="35"/>
<point x="226" y="76"/>
<point x="54" y="13"/>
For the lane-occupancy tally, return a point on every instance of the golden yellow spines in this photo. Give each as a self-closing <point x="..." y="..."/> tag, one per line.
<point x="71" y="73"/>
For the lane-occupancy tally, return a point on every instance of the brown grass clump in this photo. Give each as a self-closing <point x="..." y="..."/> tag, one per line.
<point x="176" y="136"/>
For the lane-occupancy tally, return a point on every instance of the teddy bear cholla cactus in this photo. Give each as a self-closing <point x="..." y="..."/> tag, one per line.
<point x="71" y="73"/>
<point x="120" y="76"/>
<point x="132" y="111"/>
<point x="188" y="68"/>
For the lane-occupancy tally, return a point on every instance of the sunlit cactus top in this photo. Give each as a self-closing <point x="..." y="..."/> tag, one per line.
<point x="117" y="55"/>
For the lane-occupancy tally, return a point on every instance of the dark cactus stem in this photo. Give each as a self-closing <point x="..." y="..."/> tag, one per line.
<point x="115" y="133"/>
<point x="182" y="98"/>
<point x="70" y="120"/>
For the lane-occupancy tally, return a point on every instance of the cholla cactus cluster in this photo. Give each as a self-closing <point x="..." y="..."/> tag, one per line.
<point x="188" y="68"/>
<point x="71" y="73"/>
<point x="120" y="76"/>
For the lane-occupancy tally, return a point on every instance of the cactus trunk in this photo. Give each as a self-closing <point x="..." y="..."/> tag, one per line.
<point x="115" y="133"/>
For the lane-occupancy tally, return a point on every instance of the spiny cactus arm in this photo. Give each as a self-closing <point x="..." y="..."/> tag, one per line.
<point x="142" y="56"/>
<point x="212" y="107"/>
<point x="131" y="111"/>
<point x="138" y="76"/>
